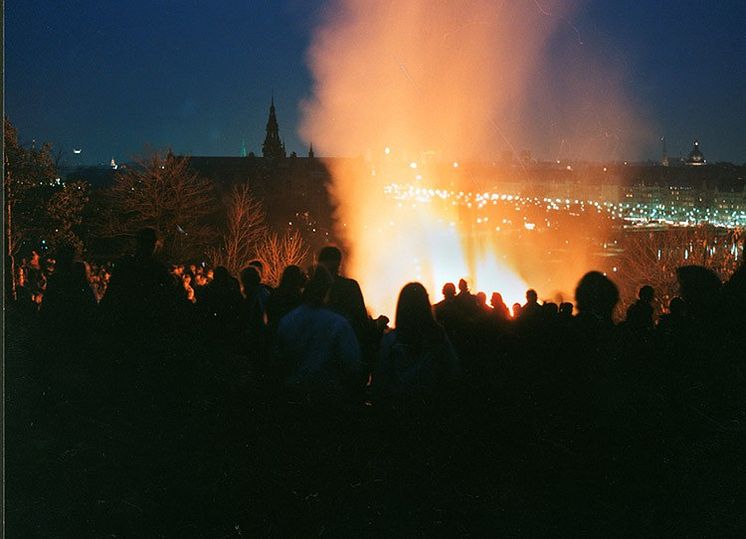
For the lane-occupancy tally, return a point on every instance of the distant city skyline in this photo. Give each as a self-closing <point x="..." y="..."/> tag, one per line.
<point x="112" y="82"/>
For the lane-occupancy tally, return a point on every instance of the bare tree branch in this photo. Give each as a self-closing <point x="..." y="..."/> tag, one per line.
<point x="278" y="252"/>
<point x="244" y="230"/>
<point x="653" y="257"/>
<point x="164" y="193"/>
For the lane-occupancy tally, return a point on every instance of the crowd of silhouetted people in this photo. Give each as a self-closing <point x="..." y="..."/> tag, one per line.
<point x="184" y="390"/>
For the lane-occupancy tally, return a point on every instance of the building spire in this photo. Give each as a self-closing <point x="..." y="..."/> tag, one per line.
<point x="273" y="148"/>
<point x="310" y="151"/>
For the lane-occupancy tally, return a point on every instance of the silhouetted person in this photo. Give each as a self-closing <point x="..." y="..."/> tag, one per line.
<point x="252" y="315"/>
<point x="640" y="313"/>
<point x="700" y="288"/>
<point x="317" y="353"/>
<point x="596" y="297"/>
<point x="672" y="323"/>
<point x="466" y="301"/>
<point x="531" y="310"/>
<point x="346" y="298"/>
<point x="565" y="311"/>
<point x="499" y="309"/>
<point x="264" y="289"/>
<point x="286" y="297"/>
<point x="69" y="301"/>
<point x="142" y="295"/>
<point x="444" y="308"/>
<point x="516" y="311"/>
<point x="481" y="301"/>
<point x="417" y="361"/>
<point x="549" y="312"/>
<point x="221" y="307"/>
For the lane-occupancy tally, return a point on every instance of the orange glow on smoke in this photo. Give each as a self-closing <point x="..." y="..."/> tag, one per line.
<point x="395" y="242"/>
<point x="408" y="89"/>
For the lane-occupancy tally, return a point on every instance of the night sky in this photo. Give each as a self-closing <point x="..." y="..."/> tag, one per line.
<point x="115" y="78"/>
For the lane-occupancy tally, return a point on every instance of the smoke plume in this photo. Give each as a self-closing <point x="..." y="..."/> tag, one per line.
<point x="408" y="89"/>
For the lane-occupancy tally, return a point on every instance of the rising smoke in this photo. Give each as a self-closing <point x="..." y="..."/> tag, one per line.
<point x="408" y="86"/>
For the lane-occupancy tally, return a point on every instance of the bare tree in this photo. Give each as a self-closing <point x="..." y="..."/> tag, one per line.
<point x="27" y="177"/>
<point x="277" y="252"/>
<point x="166" y="194"/>
<point x="65" y="213"/>
<point x="653" y="257"/>
<point x="245" y="229"/>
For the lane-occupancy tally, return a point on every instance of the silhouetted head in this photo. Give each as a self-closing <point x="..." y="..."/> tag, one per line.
<point x="221" y="275"/>
<point x="293" y="278"/>
<point x="449" y="290"/>
<point x="481" y="299"/>
<point x="414" y="313"/>
<point x="146" y="239"/>
<point x="565" y="309"/>
<point x="596" y="295"/>
<point x="677" y="307"/>
<point x="531" y="296"/>
<point x="318" y="287"/>
<point x="463" y="286"/>
<point x="250" y="279"/>
<point x="699" y="287"/>
<point x="516" y="310"/>
<point x="331" y="258"/>
<point x="258" y="266"/>
<point x="646" y="294"/>
<point x="496" y="299"/>
<point x="549" y="308"/>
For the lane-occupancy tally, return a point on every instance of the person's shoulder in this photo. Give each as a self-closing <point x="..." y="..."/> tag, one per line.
<point x="335" y="321"/>
<point x="346" y="282"/>
<point x="332" y="316"/>
<point x="292" y="318"/>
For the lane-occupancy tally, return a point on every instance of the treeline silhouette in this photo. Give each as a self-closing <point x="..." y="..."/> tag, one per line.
<point x="185" y="405"/>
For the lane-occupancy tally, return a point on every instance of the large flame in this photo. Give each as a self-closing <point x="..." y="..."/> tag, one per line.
<point x="415" y="87"/>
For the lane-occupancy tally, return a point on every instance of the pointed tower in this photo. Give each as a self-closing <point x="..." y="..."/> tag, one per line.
<point x="273" y="148"/>
<point x="310" y="152"/>
<point x="664" y="153"/>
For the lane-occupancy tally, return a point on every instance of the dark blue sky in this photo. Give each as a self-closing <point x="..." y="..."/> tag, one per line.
<point x="116" y="77"/>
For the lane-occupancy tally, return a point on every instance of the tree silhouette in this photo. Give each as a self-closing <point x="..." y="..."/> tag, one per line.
<point x="28" y="176"/>
<point x="652" y="257"/>
<point x="163" y="192"/>
<point x="280" y="251"/>
<point x="65" y="213"/>
<point x="245" y="228"/>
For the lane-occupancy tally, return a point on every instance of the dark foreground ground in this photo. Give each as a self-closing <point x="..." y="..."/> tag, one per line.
<point x="173" y="438"/>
